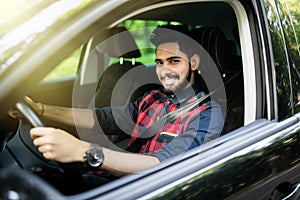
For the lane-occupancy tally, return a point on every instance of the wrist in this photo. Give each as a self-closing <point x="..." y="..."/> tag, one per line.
<point x="42" y="109"/>
<point x="82" y="152"/>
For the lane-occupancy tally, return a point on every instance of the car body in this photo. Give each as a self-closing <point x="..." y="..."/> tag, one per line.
<point x="257" y="157"/>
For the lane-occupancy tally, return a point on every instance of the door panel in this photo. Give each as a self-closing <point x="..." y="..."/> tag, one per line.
<point x="250" y="166"/>
<point x="250" y="173"/>
<point x="57" y="87"/>
<point x="54" y="92"/>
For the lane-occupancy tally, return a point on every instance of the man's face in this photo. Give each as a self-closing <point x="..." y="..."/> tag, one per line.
<point x="172" y="67"/>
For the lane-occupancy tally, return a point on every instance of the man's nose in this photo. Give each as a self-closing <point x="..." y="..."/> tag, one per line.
<point x="165" y="68"/>
<point x="165" y="72"/>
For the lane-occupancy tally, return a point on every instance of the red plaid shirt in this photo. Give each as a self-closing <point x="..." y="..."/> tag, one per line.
<point x="153" y="106"/>
<point x="193" y="128"/>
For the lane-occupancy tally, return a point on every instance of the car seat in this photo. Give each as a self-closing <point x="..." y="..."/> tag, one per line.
<point x="214" y="41"/>
<point x="125" y="80"/>
<point x="121" y="45"/>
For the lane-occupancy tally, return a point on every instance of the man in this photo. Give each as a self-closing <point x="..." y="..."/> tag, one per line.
<point x="176" y="67"/>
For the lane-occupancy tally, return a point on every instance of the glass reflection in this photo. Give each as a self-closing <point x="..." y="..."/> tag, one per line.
<point x="281" y="62"/>
<point x="290" y="34"/>
<point x="20" y="34"/>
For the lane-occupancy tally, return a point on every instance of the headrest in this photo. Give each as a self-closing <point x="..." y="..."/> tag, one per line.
<point x="182" y="28"/>
<point x="214" y="41"/>
<point x="120" y="43"/>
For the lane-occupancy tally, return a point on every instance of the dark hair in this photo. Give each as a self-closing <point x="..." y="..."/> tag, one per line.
<point x="175" y="33"/>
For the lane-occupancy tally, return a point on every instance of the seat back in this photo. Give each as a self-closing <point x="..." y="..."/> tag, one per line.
<point x="214" y="41"/>
<point x="125" y="80"/>
<point x="121" y="45"/>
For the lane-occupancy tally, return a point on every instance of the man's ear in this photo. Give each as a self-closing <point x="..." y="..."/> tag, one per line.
<point x="195" y="62"/>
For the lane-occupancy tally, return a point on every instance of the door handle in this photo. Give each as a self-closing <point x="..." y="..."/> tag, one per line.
<point x="294" y="192"/>
<point x="286" y="191"/>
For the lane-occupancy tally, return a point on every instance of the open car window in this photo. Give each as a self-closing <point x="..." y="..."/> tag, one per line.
<point x="218" y="35"/>
<point x="117" y="65"/>
<point x="67" y="67"/>
<point x="249" y="63"/>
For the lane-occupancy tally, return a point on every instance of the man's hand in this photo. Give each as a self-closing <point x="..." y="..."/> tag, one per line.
<point x="14" y="113"/>
<point x="37" y="107"/>
<point x="56" y="144"/>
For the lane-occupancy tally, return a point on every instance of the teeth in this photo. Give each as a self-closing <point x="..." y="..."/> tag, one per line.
<point x="169" y="81"/>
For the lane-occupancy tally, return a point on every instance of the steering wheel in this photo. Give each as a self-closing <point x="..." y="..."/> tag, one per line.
<point x="19" y="184"/>
<point x="72" y="171"/>
<point x="29" y="114"/>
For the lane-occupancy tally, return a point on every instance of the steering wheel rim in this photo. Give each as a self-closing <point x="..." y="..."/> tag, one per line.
<point x="72" y="171"/>
<point x="35" y="121"/>
<point x="21" y="184"/>
<point x="29" y="114"/>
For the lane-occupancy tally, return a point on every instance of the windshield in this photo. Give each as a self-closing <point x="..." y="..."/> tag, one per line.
<point x="23" y="21"/>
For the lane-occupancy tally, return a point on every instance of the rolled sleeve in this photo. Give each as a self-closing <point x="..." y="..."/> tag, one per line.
<point x="117" y="119"/>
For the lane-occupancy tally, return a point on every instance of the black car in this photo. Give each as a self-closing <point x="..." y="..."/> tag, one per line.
<point x="253" y="45"/>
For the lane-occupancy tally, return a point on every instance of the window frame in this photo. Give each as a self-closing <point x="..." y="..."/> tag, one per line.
<point x="247" y="51"/>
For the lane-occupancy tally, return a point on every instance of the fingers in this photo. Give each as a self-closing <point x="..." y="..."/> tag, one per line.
<point x="36" y="132"/>
<point x="14" y="113"/>
<point x="42" y="138"/>
<point x="37" y="107"/>
<point x="41" y="131"/>
<point x="59" y="145"/>
<point x="47" y="152"/>
<point x="28" y="100"/>
<point x="56" y="144"/>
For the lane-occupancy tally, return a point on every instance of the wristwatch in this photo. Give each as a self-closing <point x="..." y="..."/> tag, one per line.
<point x="94" y="157"/>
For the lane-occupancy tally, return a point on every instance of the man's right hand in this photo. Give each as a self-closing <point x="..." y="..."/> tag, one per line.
<point x="37" y="107"/>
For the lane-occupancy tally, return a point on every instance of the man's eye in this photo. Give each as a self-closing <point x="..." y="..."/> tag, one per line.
<point x="174" y="61"/>
<point x="159" y="63"/>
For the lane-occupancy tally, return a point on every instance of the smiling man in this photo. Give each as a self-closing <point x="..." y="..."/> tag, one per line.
<point x="177" y="62"/>
<point x="175" y="71"/>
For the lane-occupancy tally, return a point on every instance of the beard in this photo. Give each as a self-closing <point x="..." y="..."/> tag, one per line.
<point x="181" y="84"/>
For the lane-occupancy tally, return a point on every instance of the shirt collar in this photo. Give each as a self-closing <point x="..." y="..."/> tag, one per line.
<point x="188" y="94"/>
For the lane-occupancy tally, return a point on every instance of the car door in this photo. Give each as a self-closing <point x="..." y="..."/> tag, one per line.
<point x="248" y="167"/>
<point x="257" y="161"/>
<point x="249" y="162"/>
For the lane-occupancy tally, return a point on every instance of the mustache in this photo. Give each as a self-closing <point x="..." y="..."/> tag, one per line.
<point x="171" y="76"/>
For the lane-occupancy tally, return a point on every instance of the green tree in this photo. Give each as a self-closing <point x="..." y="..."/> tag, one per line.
<point x="294" y="9"/>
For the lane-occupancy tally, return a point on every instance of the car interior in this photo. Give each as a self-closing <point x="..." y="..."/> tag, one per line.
<point x="117" y="66"/>
<point x="123" y="73"/>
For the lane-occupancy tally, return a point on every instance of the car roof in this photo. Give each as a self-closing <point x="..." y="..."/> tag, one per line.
<point x="205" y="12"/>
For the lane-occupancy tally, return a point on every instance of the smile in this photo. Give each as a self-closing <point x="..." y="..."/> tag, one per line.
<point x="169" y="77"/>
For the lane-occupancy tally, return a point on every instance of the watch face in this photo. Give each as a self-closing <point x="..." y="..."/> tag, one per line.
<point x="95" y="157"/>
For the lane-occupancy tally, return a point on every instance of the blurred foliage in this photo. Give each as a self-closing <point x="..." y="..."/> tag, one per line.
<point x="141" y="30"/>
<point x="66" y="68"/>
<point x="294" y="6"/>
